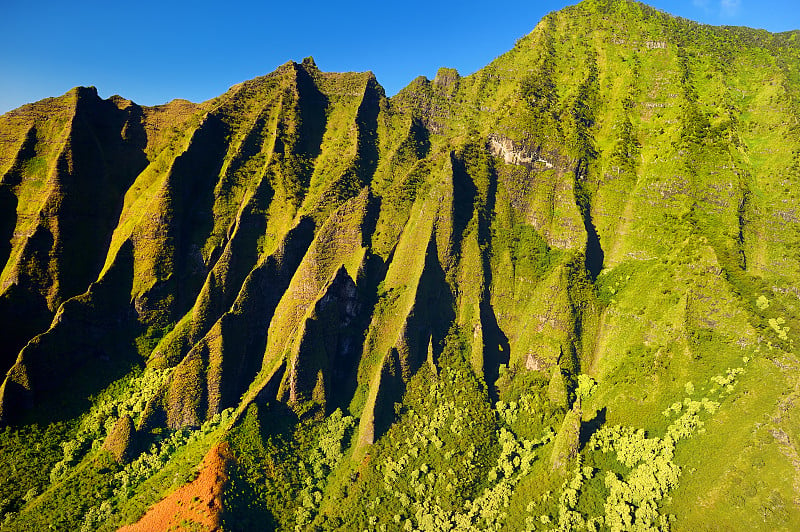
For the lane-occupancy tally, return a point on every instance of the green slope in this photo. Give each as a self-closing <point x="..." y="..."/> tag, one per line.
<point x="559" y="293"/>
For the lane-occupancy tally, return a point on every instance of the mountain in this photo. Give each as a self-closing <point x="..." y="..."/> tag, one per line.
<point x="559" y="293"/>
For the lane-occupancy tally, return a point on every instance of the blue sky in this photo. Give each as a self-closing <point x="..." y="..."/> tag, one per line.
<point x="154" y="51"/>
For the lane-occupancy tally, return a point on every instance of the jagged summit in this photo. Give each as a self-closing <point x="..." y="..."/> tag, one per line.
<point x="533" y="296"/>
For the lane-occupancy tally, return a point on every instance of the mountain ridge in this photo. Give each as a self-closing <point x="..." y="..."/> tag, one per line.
<point x="588" y="247"/>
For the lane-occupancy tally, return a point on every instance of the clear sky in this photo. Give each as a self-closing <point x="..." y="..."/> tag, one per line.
<point x="154" y="51"/>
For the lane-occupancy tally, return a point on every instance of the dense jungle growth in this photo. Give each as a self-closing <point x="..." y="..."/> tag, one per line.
<point x="560" y="293"/>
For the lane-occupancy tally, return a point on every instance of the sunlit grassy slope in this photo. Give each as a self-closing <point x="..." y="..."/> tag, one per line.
<point x="559" y="293"/>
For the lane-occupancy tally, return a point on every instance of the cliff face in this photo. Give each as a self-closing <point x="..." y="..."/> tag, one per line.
<point x="614" y="201"/>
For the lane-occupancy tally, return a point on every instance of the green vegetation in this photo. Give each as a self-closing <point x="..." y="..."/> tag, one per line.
<point x="560" y="293"/>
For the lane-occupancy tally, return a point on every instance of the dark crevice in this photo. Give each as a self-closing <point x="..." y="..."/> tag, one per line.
<point x="426" y="327"/>
<point x="434" y="308"/>
<point x="329" y="346"/>
<point x="418" y="140"/>
<point x="239" y="256"/>
<point x="496" y="348"/>
<point x="594" y="251"/>
<point x="390" y="391"/>
<point x="8" y="198"/>
<point x="463" y="207"/>
<point x="27" y="151"/>
<point x="102" y="156"/>
<point x="742" y="212"/>
<point x="106" y="152"/>
<point x="367" y="124"/>
<point x="245" y="326"/>
<point x="194" y="174"/>
<point x="312" y="106"/>
<point x="238" y="170"/>
<point x="24" y="309"/>
<point x="299" y="132"/>
<point x="186" y="221"/>
<point x="236" y="260"/>
<point x="101" y="352"/>
<point x="24" y="314"/>
<point x="362" y="170"/>
<point x="414" y="147"/>
<point x="588" y="428"/>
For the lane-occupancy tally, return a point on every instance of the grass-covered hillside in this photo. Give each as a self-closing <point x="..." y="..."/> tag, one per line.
<point x="561" y="293"/>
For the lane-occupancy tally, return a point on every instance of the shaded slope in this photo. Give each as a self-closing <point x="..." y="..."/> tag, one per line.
<point x="68" y="210"/>
<point x="596" y="227"/>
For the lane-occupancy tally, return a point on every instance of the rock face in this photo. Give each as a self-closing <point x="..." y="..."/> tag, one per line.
<point x="610" y="197"/>
<point x="566" y="444"/>
<point x="120" y="440"/>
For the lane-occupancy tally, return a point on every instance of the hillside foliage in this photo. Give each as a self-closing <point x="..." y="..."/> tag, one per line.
<point x="559" y="293"/>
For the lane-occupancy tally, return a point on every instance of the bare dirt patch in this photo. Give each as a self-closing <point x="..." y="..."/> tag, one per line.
<point x="195" y="506"/>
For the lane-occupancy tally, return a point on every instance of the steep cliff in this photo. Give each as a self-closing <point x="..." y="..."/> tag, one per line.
<point x="531" y="297"/>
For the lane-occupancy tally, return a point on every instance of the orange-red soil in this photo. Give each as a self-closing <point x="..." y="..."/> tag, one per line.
<point x="195" y="506"/>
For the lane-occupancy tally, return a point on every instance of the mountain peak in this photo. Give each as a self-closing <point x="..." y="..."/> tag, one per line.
<point x="534" y="296"/>
<point x="308" y="62"/>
